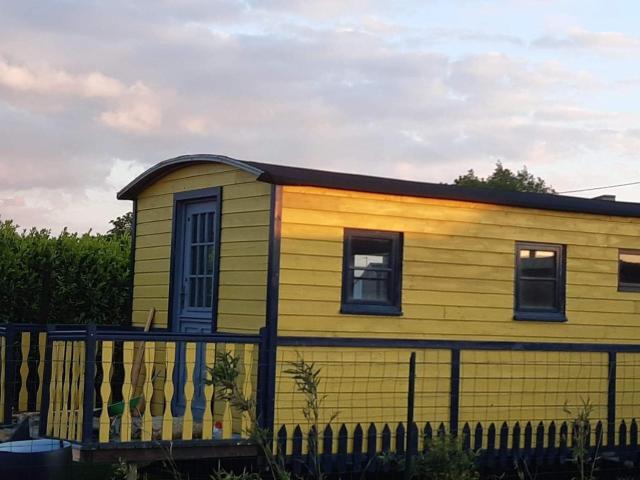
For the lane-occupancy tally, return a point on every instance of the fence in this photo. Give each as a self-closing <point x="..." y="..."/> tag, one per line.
<point x="22" y="349"/>
<point x="118" y="386"/>
<point x="508" y="400"/>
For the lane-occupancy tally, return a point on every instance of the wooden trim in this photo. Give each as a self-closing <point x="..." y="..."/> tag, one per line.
<point x="179" y="199"/>
<point x="543" y="315"/>
<point x="362" y="307"/>
<point x="273" y="292"/>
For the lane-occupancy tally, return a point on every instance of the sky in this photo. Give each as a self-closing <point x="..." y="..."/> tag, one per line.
<point x="93" y="92"/>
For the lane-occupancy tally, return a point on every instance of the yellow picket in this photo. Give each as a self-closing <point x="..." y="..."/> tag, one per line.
<point x="42" y="347"/>
<point x="23" y="397"/>
<point x="147" y="420"/>
<point x="127" y="390"/>
<point x="207" y="419"/>
<point x="189" y="389"/>
<point x="167" y="417"/>
<point x="66" y="386"/>
<point x="80" y="397"/>
<point x="105" y="392"/>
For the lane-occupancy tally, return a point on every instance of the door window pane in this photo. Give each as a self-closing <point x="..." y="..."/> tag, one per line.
<point x="200" y="245"/>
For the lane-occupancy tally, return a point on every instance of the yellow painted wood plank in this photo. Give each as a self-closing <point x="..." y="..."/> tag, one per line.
<point x="189" y="389"/>
<point x="160" y="214"/>
<point x="481" y="207"/>
<point x="157" y="278"/>
<point x="381" y="222"/>
<point x="42" y="347"/>
<point x="193" y="170"/>
<point x="207" y="419"/>
<point x="167" y="417"/>
<point x="245" y="233"/>
<point x="148" y="303"/>
<point x="82" y="361"/>
<point x="156" y="201"/>
<point x="53" y="422"/>
<point x="150" y="291"/>
<point x="140" y="317"/>
<point x="73" y="394"/>
<point x="153" y="253"/>
<point x="255" y="263"/>
<point x="25" y="344"/>
<point x="127" y="391"/>
<point x="244" y="277"/>
<point x="245" y="219"/>
<point x="246" y="307"/>
<point x="153" y="228"/>
<point x="238" y="292"/>
<point x="147" y="420"/>
<point x="244" y="190"/>
<point x="66" y="386"/>
<point x="245" y="204"/>
<point x="236" y="249"/>
<point x="153" y="240"/>
<point x="196" y="183"/>
<point x="152" y="266"/>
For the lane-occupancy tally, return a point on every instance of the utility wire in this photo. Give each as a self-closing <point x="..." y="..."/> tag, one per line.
<point x="601" y="188"/>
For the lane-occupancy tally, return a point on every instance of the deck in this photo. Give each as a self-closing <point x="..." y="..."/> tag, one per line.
<point x="141" y="396"/>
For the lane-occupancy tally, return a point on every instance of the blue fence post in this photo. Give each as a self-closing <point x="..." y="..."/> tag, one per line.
<point x="454" y="402"/>
<point x="89" y="384"/>
<point x="263" y="375"/>
<point x="410" y="432"/>
<point x="611" y="400"/>
<point x="10" y="365"/>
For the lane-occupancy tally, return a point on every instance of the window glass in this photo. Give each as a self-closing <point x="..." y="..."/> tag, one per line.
<point x="371" y="273"/>
<point x="539" y="282"/>
<point x="629" y="269"/>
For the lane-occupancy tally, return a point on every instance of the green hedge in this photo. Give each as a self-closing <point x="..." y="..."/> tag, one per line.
<point x="70" y="278"/>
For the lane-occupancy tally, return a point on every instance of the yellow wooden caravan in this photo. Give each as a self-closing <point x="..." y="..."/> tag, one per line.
<point x="514" y="303"/>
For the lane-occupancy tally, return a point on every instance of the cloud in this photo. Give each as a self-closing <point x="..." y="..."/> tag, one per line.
<point x="103" y="90"/>
<point x="578" y="38"/>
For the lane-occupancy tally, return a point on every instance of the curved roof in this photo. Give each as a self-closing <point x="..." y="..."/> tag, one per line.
<point x="285" y="175"/>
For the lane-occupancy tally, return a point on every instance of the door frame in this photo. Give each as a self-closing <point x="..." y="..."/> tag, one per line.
<point x="180" y="199"/>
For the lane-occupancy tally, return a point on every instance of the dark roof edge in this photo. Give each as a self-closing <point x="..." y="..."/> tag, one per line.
<point x="130" y="191"/>
<point x="285" y="175"/>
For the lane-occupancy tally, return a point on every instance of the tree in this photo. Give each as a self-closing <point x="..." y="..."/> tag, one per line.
<point x="504" y="179"/>
<point x="121" y="225"/>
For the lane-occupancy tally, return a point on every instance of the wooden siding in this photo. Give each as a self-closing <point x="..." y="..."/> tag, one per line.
<point x="458" y="272"/>
<point x="243" y="250"/>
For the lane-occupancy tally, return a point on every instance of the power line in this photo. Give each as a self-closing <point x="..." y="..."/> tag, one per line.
<point x="601" y="188"/>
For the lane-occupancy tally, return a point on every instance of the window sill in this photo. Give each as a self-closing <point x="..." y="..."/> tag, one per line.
<point x="362" y="309"/>
<point x="540" y="317"/>
<point x="629" y="288"/>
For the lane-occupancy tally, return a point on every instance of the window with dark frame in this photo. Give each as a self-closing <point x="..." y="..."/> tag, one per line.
<point x="629" y="270"/>
<point x="372" y="272"/>
<point x="540" y="282"/>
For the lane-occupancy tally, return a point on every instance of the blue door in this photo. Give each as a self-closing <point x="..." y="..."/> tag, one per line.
<point x="194" y="279"/>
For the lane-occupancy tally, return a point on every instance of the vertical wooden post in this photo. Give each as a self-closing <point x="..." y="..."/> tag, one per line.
<point x="89" y="384"/>
<point x="454" y="393"/>
<point x="411" y="398"/>
<point x="261" y="387"/>
<point x="611" y="399"/>
<point x="9" y="372"/>
<point x="45" y="387"/>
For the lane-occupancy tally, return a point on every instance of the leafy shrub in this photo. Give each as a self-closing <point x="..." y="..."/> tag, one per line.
<point x="446" y="459"/>
<point x="70" y="278"/>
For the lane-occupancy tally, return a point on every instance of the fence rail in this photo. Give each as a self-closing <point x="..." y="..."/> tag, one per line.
<point x="136" y="386"/>
<point x="511" y="400"/>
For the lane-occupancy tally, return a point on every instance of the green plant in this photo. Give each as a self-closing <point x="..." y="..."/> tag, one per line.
<point x="445" y="459"/>
<point x="221" y="474"/>
<point x="307" y="379"/>
<point x="225" y="375"/>
<point x="586" y="462"/>
<point x="68" y="278"/>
